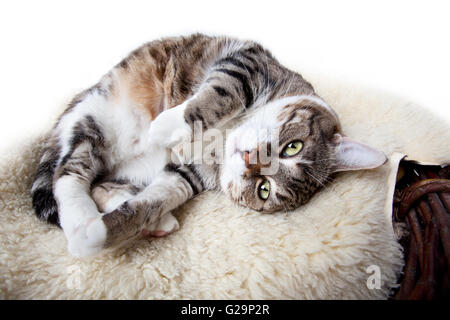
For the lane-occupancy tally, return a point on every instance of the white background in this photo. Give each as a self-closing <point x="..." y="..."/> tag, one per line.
<point x="49" y="50"/>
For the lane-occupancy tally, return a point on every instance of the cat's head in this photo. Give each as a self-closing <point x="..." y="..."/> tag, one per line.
<point x="286" y="151"/>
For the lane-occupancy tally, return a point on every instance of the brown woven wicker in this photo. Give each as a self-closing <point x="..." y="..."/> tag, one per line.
<point x="422" y="204"/>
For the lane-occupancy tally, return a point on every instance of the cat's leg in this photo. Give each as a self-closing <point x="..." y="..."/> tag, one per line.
<point x="110" y="195"/>
<point x="75" y="206"/>
<point x="228" y="91"/>
<point x="82" y="159"/>
<point x="173" y="187"/>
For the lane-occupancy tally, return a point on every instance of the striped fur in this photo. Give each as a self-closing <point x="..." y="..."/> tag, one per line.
<point x="106" y="174"/>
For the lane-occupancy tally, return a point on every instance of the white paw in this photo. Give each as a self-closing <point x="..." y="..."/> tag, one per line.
<point x="169" y="128"/>
<point x="166" y="225"/>
<point x="88" y="239"/>
<point x="108" y="201"/>
<point x="117" y="200"/>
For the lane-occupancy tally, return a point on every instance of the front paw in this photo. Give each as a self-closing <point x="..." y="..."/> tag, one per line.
<point x="165" y="226"/>
<point x="169" y="128"/>
<point x="88" y="239"/>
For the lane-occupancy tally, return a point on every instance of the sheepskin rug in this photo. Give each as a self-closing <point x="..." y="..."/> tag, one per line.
<point x="323" y="250"/>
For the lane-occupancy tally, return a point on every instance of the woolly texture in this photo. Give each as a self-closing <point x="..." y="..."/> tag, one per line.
<point x="320" y="251"/>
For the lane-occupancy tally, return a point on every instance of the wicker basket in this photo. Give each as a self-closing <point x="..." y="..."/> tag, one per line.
<point x="421" y="206"/>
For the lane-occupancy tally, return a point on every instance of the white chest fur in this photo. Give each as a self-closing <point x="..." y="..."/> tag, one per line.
<point x="133" y="155"/>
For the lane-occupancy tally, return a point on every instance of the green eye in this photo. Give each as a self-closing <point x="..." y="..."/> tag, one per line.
<point x="264" y="190"/>
<point x="292" y="149"/>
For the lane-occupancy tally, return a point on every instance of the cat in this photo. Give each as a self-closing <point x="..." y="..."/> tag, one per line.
<point x="108" y="173"/>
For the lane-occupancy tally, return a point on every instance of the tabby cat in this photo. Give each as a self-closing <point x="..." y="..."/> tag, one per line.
<point x="108" y="173"/>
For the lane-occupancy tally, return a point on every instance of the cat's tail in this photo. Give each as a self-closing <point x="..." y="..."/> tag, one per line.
<point x="44" y="202"/>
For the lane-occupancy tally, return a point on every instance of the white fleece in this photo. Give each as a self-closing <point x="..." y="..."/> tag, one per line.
<point x="221" y="251"/>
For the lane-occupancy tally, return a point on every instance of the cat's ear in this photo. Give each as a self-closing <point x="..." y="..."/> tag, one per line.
<point x="353" y="155"/>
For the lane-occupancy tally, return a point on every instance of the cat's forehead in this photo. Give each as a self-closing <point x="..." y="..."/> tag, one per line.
<point x="303" y="105"/>
<point x="306" y="108"/>
<point x="276" y="111"/>
<point x="281" y="118"/>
